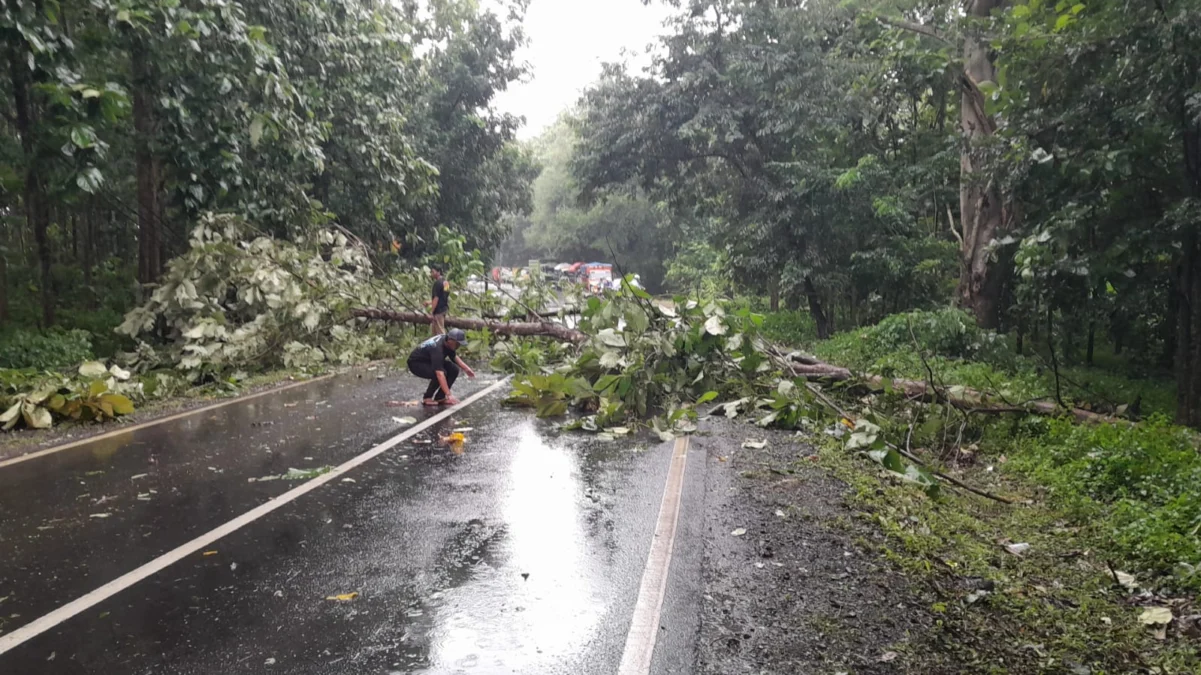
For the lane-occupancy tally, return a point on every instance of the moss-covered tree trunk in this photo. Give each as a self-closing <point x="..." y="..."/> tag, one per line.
<point x="985" y="212"/>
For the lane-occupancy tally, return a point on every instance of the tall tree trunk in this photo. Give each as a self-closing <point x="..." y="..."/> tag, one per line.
<point x="1188" y="288"/>
<point x="149" y="247"/>
<point x="1170" y="328"/>
<point x="816" y="311"/>
<point x="1092" y="341"/>
<point x="1021" y="335"/>
<point x="985" y="213"/>
<point x="3" y="288"/>
<point x="89" y="241"/>
<point x="37" y="204"/>
<point x="775" y="293"/>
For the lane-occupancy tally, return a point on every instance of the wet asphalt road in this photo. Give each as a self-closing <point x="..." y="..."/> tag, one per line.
<point x="521" y="553"/>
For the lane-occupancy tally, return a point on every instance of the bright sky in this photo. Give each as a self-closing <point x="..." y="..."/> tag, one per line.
<point x="569" y="40"/>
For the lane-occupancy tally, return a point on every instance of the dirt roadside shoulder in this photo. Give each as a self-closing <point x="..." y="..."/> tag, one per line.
<point x="792" y="583"/>
<point x="820" y="562"/>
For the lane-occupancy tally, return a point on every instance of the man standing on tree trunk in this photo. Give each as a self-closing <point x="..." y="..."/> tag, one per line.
<point x="439" y="303"/>
<point x="435" y="360"/>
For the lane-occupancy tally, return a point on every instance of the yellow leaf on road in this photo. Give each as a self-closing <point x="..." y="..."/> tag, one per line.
<point x="345" y="597"/>
<point x="208" y="553"/>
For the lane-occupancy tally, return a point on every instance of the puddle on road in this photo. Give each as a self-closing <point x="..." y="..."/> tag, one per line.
<point x="542" y="602"/>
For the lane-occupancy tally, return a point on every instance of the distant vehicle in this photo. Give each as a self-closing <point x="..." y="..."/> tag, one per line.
<point x="597" y="276"/>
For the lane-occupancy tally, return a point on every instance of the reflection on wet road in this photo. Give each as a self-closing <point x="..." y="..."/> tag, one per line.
<point x="521" y="553"/>
<point x="550" y="609"/>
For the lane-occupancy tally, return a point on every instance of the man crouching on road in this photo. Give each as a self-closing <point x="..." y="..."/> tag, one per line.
<point x="435" y="360"/>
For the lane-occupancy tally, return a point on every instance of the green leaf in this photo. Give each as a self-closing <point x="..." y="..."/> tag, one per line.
<point x="610" y="359"/>
<point x="11" y="416"/>
<point x="89" y="180"/>
<point x="552" y="409"/>
<point x="36" y="417"/>
<point x="1076" y="9"/>
<point x="611" y="338"/>
<point x="93" y="369"/>
<point x="636" y="320"/>
<point x="83" y="137"/>
<point x="706" y="397"/>
<point x="1063" y="22"/>
<point x="714" y="326"/>
<point x="97" y="387"/>
<point x="256" y="131"/>
<point x="120" y="405"/>
<point x="1020" y="12"/>
<point x="42" y="394"/>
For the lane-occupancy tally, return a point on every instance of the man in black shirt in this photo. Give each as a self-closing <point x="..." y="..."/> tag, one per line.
<point x="439" y="303"/>
<point x="435" y="360"/>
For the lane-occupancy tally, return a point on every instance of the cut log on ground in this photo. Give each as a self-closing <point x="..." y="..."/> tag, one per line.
<point x="962" y="398"/>
<point x="972" y="400"/>
<point x="800" y="365"/>
<point x="543" y="328"/>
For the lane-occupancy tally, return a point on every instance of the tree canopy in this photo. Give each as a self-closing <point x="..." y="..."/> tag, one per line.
<point x="1035" y="162"/>
<point x="125" y="122"/>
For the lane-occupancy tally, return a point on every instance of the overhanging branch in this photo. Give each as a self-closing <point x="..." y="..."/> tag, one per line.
<point x="912" y="27"/>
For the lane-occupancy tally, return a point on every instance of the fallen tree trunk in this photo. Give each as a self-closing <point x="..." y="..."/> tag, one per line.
<point x="800" y="365"/>
<point x="962" y="398"/>
<point x="972" y="400"/>
<point x="543" y="328"/>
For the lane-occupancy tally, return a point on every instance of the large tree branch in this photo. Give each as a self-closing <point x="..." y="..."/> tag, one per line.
<point x="807" y="367"/>
<point x="918" y="28"/>
<point x="543" y="328"/>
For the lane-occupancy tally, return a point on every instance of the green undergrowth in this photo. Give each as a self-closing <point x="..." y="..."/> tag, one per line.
<point x="1052" y="608"/>
<point x="50" y="350"/>
<point x="789" y="327"/>
<point x="949" y="344"/>
<point x="1140" y="485"/>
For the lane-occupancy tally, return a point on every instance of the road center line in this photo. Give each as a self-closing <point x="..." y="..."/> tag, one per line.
<point x="58" y="616"/>
<point x="644" y="628"/>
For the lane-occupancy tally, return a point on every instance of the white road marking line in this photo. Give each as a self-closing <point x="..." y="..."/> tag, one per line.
<point x="644" y="628"/>
<point x="58" y="616"/>
<point x="161" y="420"/>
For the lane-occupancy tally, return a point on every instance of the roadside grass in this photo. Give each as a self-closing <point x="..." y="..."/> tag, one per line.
<point x="1091" y="497"/>
<point x="1053" y="608"/>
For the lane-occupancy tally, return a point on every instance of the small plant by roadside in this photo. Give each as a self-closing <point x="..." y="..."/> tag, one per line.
<point x="96" y="393"/>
